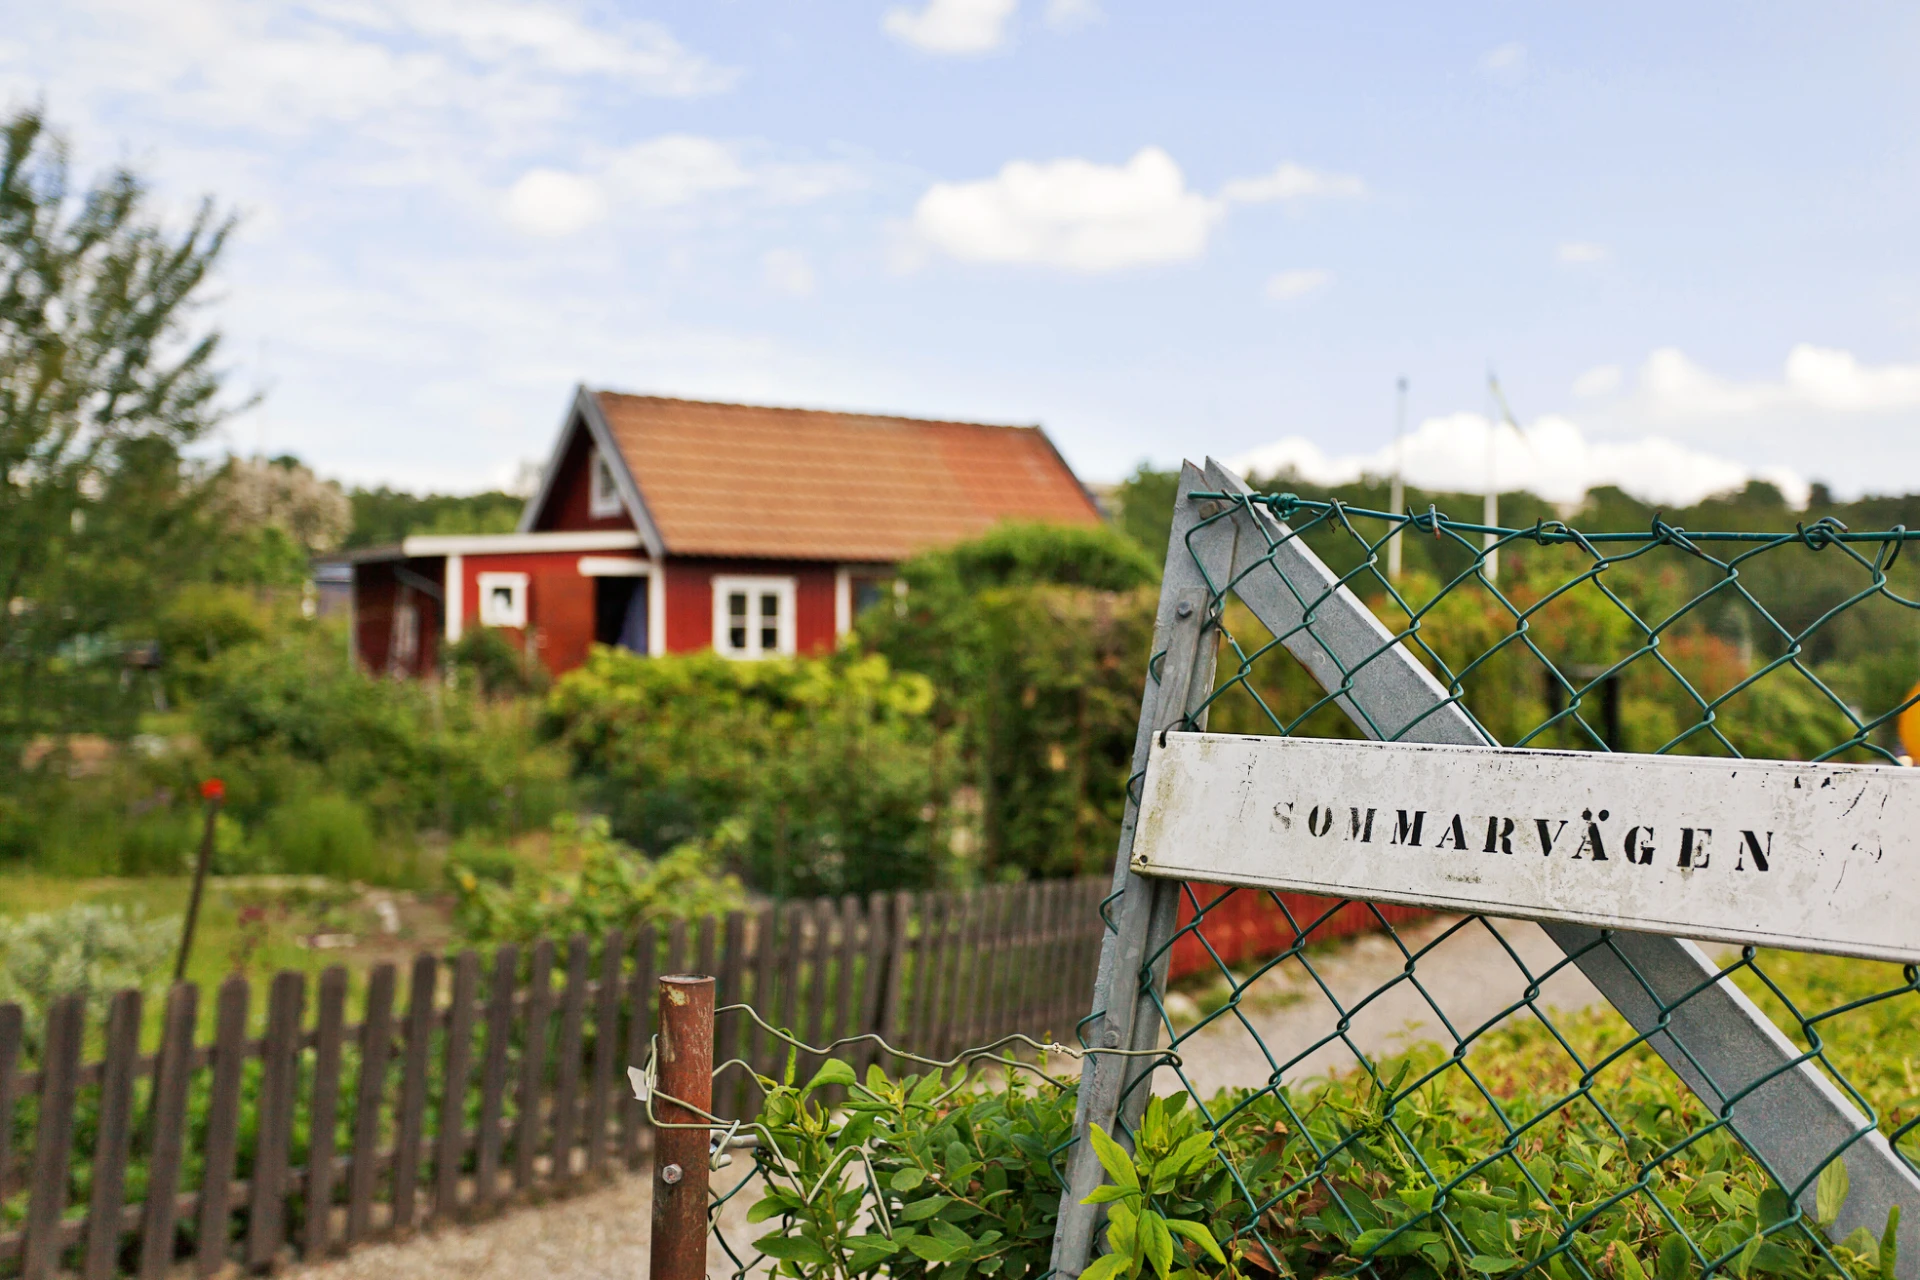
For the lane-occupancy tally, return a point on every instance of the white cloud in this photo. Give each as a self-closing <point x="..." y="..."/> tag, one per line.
<point x="1826" y="378"/>
<point x="1287" y="285"/>
<point x="675" y="169"/>
<point x="1600" y="380"/>
<point x="546" y="202"/>
<point x="1072" y="15"/>
<point x="1505" y="59"/>
<point x="1087" y="216"/>
<point x="1817" y="379"/>
<point x="788" y="271"/>
<point x="1071" y="213"/>
<point x="1551" y="458"/>
<point x="662" y="173"/>
<point x="1293" y="182"/>
<point x="1582" y="251"/>
<point x="953" y="26"/>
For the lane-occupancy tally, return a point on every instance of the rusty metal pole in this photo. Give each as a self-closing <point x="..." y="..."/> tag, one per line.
<point x="685" y="1067"/>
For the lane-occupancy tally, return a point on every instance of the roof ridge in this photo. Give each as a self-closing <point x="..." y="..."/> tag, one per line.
<point x="821" y="413"/>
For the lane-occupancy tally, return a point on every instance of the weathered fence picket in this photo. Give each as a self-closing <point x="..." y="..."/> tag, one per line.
<point x="541" y="1056"/>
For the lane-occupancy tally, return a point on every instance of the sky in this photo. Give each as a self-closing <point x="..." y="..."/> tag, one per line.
<point x="1682" y="237"/>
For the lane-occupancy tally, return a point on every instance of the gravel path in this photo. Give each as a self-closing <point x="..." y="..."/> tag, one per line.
<point x="1470" y="977"/>
<point x="596" y="1235"/>
<point x="604" y="1233"/>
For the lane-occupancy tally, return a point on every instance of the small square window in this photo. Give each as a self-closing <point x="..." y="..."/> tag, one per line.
<point x="753" y="617"/>
<point x="503" y="600"/>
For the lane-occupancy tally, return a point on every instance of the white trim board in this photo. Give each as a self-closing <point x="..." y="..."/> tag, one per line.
<point x="1817" y="857"/>
<point x="495" y="544"/>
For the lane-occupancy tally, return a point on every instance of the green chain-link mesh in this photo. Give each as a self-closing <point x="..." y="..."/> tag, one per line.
<point x="1537" y="1140"/>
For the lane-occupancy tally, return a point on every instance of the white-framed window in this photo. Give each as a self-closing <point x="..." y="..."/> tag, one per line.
<point x="503" y="600"/>
<point x="603" y="492"/>
<point x="753" y="617"/>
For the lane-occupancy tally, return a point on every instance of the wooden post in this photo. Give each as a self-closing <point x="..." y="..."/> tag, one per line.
<point x="679" y="1246"/>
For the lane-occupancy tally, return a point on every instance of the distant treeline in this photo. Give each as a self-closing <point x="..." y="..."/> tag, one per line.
<point x="384" y="515"/>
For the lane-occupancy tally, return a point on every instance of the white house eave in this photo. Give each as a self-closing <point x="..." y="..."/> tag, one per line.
<point x="481" y="544"/>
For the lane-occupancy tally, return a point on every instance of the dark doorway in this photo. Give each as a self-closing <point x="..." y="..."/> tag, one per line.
<point x="620" y="612"/>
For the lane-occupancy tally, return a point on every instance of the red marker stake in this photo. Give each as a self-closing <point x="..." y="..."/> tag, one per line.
<point x="214" y="792"/>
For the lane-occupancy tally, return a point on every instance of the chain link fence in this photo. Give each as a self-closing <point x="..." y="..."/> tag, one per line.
<point x="1720" y="1111"/>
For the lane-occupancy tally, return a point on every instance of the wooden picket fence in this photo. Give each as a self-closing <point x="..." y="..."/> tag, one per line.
<point x="491" y="1084"/>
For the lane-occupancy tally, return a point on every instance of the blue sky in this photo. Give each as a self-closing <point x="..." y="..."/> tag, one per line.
<point x="1682" y="235"/>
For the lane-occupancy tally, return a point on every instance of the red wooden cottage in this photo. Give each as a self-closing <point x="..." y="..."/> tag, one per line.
<point x="671" y="526"/>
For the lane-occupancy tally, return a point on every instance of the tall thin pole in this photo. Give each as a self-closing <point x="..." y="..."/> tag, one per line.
<point x="1490" y="508"/>
<point x="1397" y="499"/>
<point x="680" y="1169"/>
<point x="214" y="792"/>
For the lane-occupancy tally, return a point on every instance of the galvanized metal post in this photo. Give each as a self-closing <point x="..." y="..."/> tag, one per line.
<point x="685" y="1067"/>
<point x="1113" y="1088"/>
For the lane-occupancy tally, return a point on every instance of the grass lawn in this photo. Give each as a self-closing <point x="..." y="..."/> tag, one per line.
<point x="259" y="926"/>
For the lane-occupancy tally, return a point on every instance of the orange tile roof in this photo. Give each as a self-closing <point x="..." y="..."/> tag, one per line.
<point x="802" y="484"/>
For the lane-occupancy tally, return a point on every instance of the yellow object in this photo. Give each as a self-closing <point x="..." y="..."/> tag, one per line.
<point x="1908" y="724"/>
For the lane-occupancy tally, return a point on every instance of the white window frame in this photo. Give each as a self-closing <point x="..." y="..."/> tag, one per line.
<point x="603" y="489"/>
<point x="754" y="587"/>
<point x="514" y="613"/>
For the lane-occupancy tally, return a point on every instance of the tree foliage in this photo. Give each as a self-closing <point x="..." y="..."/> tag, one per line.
<point x="1035" y="638"/>
<point x="104" y="379"/>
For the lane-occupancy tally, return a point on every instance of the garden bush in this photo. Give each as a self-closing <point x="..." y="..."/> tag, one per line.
<point x="964" y="1183"/>
<point x="600" y="885"/>
<point x="1035" y="638"/>
<point x="828" y="771"/>
<point x="88" y="950"/>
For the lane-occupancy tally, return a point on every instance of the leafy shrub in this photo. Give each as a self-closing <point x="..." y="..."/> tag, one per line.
<point x="320" y="835"/>
<point x="829" y="767"/>
<point x="495" y="663"/>
<point x="1660" y="1191"/>
<point x="1036" y="638"/>
<point x="613" y="887"/>
<point x="961" y="1174"/>
<point x="84" y="949"/>
<point x="293" y="718"/>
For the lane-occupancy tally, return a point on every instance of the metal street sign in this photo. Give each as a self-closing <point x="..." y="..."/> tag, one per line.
<point x="1819" y="857"/>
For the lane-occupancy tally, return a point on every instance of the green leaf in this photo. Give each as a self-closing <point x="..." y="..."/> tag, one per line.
<point x="1158" y="1241"/>
<point x="1487" y="1264"/>
<point x="1198" y="1233"/>
<point x="1105" y="1267"/>
<point x="1830" y="1193"/>
<point x="920" y="1209"/>
<point x="1774" y="1207"/>
<point x="771" y="1206"/>
<point x="1107" y="1192"/>
<point x="1674" y="1256"/>
<point x="866" y="1251"/>
<point x="792" y="1249"/>
<point x="1890" y="1244"/>
<point x="1419" y="1199"/>
<point x="1626" y="1266"/>
<point x="1113" y="1158"/>
<point x="930" y="1249"/>
<point x="1744" y="1262"/>
<point x="1190" y="1154"/>
<point x="832" y="1071"/>
<point x="907" y="1179"/>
